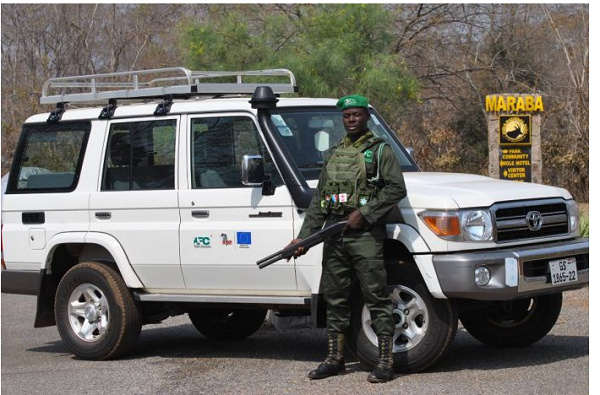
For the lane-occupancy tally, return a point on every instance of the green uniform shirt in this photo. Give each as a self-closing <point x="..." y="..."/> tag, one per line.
<point x="388" y="196"/>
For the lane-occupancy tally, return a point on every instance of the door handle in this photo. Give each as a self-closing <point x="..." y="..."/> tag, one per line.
<point x="200" y="213"/>
<point x="103" y="215"/>
<point x="267" y="214"/>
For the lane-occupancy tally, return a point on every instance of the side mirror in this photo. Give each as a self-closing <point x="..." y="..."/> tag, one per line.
<point x="253" y="170"/>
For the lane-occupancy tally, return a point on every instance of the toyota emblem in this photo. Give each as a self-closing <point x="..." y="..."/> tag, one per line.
<point x="534" y="220"/>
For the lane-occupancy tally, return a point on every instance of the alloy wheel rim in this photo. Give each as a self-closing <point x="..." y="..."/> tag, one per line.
<point x="410" y="315"/>
<point x="88" y="313"/>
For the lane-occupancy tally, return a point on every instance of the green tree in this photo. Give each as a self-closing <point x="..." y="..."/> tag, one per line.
<point x="330" y="57"/>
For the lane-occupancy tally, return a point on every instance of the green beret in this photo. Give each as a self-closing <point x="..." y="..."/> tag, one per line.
<point x="352" y="101"/>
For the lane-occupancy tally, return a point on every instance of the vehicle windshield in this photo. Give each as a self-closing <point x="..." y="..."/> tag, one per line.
<point x="309" y="132"/>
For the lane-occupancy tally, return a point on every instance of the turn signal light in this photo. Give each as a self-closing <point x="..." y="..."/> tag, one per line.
<point x="443" y="224"/>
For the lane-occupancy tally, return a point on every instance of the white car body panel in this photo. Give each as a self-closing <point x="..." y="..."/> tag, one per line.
<point x="454" y="190"/>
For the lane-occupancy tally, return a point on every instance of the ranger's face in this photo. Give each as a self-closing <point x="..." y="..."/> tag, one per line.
<point x="355" y="121"/>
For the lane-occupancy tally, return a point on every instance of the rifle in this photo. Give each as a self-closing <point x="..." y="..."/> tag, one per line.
<point x="312" y="240"/>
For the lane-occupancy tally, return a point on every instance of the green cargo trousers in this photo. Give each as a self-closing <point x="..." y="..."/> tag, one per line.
<point x="358" y="255"/>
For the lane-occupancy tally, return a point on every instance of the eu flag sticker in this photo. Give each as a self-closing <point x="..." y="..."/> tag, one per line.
<point x="244" y="239"/>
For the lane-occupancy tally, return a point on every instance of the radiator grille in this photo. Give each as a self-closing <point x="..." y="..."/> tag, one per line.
<point x="530" y="219"/>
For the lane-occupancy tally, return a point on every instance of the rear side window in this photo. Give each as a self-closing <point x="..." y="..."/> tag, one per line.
<point x="49" y="157"/>
<point x="140" y="156"/>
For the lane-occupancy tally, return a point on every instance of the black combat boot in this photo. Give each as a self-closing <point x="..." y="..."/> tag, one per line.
<point x="334" y="363"/>
<point x="384" y="371"/>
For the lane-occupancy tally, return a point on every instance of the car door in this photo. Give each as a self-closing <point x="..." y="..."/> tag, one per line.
<point x="227" y="226"/>
<point x="136" y="202"/>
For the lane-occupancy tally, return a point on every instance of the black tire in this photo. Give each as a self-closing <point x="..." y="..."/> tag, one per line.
<point x="516" y="323"/>
<point x="425" y="326"/>
<point x="227" y="324"/>
<point x="95" y="313"/>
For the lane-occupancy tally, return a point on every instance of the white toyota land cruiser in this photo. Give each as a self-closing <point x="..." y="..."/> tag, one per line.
<point x="128" y="213"/>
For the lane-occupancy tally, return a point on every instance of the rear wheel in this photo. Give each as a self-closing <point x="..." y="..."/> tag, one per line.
<point x="227" y="323"/>
<point x="425" y="326"/>
<point x="514" y="323"/>
<point x="95" y="313"/>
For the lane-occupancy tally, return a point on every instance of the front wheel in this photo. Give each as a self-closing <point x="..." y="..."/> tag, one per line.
<point x="95" y="313"/>
<point x="425" y="327"/>
<point x="514" y="323"/>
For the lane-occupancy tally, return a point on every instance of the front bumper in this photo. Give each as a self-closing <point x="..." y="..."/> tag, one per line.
<point x="528" y="264"/>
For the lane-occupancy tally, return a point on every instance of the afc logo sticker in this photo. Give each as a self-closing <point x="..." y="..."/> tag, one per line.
<point x="202" y="242"/>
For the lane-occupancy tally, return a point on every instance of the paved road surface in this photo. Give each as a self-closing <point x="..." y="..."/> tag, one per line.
<point x="172" y="358"/>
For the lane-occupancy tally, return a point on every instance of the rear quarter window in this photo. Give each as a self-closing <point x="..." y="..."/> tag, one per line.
<point x="49" y="158"/>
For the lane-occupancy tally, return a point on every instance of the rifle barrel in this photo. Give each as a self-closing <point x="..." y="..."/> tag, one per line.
<point x="310" y="241"/>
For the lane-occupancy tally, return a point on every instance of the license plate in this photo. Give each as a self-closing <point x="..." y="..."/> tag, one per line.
<point x="563" y="271"/>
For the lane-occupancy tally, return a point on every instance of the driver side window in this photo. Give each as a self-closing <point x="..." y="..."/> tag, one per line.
<point x="218" y="145"/>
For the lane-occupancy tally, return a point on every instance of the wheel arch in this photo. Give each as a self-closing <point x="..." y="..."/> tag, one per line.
<point x="88" y="246"/>
<point x="398" y="260"/>
<point x="66" y="250"/>
<point x="405" y="249"/>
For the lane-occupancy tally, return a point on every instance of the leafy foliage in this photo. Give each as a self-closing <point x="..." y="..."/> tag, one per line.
<point x="584" y="226"/>
<point x="330" y="57"/>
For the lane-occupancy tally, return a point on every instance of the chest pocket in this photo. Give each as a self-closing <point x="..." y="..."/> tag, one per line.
<point x="349" y="174"/>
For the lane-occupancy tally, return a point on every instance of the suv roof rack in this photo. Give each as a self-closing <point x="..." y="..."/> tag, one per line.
<point x="158" y="83"/>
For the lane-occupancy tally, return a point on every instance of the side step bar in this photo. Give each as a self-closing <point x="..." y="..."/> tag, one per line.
<point x="223" y="299"/>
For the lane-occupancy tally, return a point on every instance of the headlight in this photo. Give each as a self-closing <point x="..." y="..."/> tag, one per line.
<point x="477" y="225"/>
<point x="463" y="225"/>
<point x="573" y="210"/>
